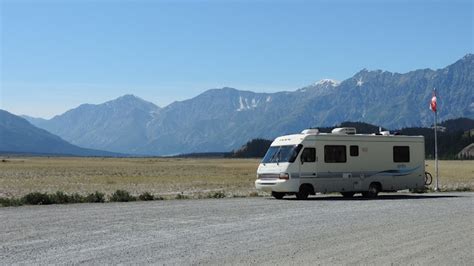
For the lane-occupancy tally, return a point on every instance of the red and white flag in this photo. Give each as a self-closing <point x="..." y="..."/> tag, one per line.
<point x="433" y="104"/>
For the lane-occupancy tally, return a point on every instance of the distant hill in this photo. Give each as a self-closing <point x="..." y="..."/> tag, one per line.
<point x="119" y="125"/>
<point x="204" y="155"/>
<point x="458" y="135"/>
<point x="361" y="127"/>
<point x="451" y="142"/>
<point x="458" y="124"/>
<point x="255" y="148"/>
<point x="18" y="136"/>
<point x="223" y="119"/>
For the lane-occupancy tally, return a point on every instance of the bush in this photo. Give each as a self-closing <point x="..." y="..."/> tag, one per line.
<point x="7" y="202"/>
<point x="216" y="195"/>
<point x="37" y="198"/>
<point x="95" y="197"/>
<point x="59" y="198"/>
<point x="122" y="196"/>
<point x="77" y="198"/>
<point x="146" y="196"/>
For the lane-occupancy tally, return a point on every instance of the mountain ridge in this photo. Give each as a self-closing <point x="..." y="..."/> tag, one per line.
<point x="19" y="136"/>
<point x="223" y="119"/>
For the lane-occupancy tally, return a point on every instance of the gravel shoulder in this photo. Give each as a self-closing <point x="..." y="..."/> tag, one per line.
<point x="396" y="228"/>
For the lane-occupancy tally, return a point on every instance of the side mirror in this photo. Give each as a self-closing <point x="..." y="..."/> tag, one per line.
<point x="301" y="160"/>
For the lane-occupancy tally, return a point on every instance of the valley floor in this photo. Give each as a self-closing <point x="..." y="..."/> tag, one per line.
<point x="161" y="176"/>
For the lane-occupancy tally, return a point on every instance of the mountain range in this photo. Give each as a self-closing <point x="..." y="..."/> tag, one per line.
<point x="224" y="119"/>
<point x="19" y="136"/>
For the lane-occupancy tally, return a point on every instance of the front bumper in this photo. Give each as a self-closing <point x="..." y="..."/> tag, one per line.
<point x="277" y="185"/>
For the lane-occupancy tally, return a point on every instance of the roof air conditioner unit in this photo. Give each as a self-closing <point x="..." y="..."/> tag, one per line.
<point x="344" y="131"/>
<point x="311" y="131"/>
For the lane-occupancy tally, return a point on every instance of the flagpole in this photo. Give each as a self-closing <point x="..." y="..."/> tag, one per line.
<point x="436" y="146"/>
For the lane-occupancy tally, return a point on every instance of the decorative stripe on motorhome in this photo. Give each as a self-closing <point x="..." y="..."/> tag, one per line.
<point x="360" y="174"/>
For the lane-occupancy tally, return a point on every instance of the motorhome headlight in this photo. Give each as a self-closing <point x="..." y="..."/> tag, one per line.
<point x="284" y="176"/>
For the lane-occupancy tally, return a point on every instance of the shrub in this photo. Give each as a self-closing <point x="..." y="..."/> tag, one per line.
<point x="95" y="197"/>
<point x="37" y="198"/>
<point x="216" y="195"/>
<point x="59" y="198"/>
<point x="146" y="196"/>
<point x="122" y="196"/>
<point x="7" y="202"/>
<point x="77" y="198"/>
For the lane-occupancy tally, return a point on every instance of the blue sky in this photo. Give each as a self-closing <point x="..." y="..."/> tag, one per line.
<point x="56" y="55"/>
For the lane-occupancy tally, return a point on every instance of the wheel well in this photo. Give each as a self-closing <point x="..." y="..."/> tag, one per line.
<point x="309" y="187"/>
<point x="378" y="184"/>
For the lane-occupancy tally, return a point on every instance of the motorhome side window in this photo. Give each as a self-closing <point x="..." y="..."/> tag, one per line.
<point x="308" y="155"/>
<point x="335" y="154"/>
<point x="401" y="154"/>
<point x="354" y="150"/>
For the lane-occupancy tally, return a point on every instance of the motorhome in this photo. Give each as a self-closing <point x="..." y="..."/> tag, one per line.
<point x="342" y="161"/>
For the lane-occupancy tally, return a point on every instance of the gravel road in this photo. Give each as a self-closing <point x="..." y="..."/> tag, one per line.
<point x="396" y="228"/>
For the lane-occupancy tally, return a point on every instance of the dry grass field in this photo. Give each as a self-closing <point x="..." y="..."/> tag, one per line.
<point x="453" y="175"/>
<point x="160" y="176"/>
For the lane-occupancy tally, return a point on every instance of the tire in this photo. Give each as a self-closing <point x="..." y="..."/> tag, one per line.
<point x="278" y="195"/>
<point x="374" y="190"/>
<point x="348" y="194"/>
<point x="303" y="193"/>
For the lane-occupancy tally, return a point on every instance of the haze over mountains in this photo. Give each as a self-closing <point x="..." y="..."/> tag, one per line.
<point x="224" y="119"/>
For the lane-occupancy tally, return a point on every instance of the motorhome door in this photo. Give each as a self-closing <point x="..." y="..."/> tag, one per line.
<point x="308" y="163"/>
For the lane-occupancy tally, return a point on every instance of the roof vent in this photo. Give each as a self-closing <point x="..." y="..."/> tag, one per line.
<point x="344" y="131"/>
<point x="311" y="131"/>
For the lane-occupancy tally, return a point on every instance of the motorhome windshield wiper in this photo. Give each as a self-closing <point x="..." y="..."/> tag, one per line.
<point x="278" y="156"/>
<point x="273" y="156"/>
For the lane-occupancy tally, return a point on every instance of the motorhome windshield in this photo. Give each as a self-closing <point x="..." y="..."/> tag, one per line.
<point x="281" y="154"/>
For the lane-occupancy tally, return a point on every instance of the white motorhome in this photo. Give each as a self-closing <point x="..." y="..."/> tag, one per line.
<point x="342" y="161"/>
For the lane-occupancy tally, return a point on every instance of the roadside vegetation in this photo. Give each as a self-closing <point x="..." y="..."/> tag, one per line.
<point x="38" y="198"/>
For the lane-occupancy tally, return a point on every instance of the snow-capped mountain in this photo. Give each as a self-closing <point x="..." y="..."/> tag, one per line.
<point x="224" y="119"/>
